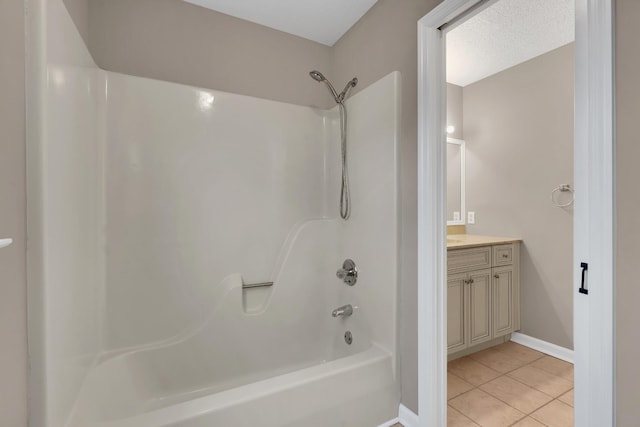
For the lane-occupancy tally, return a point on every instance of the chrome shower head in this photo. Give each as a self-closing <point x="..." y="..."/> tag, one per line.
<point x="317" y="76"/>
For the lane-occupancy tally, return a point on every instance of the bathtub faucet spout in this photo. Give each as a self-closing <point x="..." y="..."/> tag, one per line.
<point x="344" y="311"/>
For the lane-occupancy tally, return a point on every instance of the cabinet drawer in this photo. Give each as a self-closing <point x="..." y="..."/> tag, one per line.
<point x="468" y="259"/>
<point x="502" y="255"/>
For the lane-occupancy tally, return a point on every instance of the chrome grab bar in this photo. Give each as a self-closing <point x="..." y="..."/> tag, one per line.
<point x="256" y="285"/>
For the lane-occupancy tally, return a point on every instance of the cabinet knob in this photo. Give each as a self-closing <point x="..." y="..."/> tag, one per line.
<point x="470" y="280"/>
<point x="505" y="256"/>
<point x="497" y="276"/>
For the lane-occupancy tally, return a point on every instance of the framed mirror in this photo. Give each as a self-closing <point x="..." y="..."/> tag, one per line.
<point x="455" y="181"/>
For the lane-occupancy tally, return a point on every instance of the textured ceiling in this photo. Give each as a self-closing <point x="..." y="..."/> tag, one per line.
<point x="322" y="21"/>
<point x="505" y="34"/>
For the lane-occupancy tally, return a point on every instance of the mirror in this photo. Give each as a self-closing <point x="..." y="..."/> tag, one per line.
<point x="455" y="181"/>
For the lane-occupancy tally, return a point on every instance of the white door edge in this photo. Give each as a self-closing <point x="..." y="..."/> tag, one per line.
<point x="594" y="214"/>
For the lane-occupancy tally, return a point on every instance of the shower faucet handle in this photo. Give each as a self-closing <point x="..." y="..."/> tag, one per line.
<point x="348" y="273"/>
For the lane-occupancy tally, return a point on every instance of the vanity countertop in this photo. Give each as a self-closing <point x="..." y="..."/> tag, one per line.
<point x="460" y="241"/>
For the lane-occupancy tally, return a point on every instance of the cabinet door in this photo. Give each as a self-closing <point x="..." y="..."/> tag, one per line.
<point x="456" y="337"/>
<point x="479" y="306"/>
<point x="503" y="301"/>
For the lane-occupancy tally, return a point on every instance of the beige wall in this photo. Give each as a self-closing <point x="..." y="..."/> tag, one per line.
<point x="384" y="40"/>
<point x="518" y="128"/>
<point x="627" y="206"/>
<point x="176" y="41"/>
<point x="13" y="306"/>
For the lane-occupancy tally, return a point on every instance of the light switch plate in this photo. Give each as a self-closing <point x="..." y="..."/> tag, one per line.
<point x="456" y="216"/>
<point x="471" y="217"/>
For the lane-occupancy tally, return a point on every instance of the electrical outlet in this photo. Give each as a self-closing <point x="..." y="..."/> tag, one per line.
<point x="456" y="216"/>
<point x="471" y="217"/>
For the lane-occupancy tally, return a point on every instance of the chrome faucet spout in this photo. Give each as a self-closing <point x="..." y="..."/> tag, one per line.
<point x="344" y="311"/>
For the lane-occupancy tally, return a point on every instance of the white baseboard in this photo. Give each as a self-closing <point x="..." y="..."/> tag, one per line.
<point x="407" y="417"/>
<point x="543" y="346"/>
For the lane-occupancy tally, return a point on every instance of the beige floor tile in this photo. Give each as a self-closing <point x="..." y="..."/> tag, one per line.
<point x="555" y="366"/>
<point x="485" y="409"/>
<point x="567" y="398"/>
<point x="471" y="371"/>
<point x="456" y="419"/>
<point x="497" y="360"/>
<point x="528" y="422"/>
<point x="555" y="414"/>
<point x="541" y="380"/>
<point x="518" y="351"/>
<point x="456" y="386"/>
<point x="522" y="397"/>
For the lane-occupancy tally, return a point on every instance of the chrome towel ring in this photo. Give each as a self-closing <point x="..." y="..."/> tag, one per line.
<point x="564" y="188"/>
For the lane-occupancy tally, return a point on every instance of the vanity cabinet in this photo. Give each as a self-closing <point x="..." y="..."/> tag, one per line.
<point x="482" y="294"/>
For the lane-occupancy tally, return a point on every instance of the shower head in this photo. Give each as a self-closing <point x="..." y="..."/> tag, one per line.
<point x="317" y="76"/>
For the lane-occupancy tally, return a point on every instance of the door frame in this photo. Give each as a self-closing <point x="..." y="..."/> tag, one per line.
<point x="593" y="212"/>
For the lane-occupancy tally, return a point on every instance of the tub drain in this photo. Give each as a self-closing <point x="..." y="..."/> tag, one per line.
<point x="348" y="337"/>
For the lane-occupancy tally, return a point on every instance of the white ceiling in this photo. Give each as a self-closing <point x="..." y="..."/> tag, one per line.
<point x="505" y="34"/>
<point x="323" y="21"/>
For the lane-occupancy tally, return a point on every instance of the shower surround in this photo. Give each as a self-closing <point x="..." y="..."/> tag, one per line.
<point x="152" y="203"/>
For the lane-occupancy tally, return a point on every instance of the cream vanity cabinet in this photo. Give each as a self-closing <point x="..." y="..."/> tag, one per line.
<point x="482" y="294"/>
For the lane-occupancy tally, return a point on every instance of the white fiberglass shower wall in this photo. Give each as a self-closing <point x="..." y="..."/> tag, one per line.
<point x="152" y="203"/>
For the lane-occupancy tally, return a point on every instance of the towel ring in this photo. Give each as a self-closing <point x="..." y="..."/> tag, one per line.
<point x="564" y="188"/>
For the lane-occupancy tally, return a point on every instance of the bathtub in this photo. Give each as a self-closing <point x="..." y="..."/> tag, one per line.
<point x="357" y="390"/>
<point x="269" y="356"/>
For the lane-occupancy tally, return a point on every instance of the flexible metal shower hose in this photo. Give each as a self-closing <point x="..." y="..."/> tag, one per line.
<point x="345" y="195"/>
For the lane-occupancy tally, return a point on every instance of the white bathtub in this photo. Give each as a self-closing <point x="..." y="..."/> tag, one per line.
<point x="353" y="391"/>
<point x="269" y="356"/>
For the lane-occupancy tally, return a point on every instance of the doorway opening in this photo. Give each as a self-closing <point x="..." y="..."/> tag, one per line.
<point x="509" y="96"/>
<point x="591" y="181"/>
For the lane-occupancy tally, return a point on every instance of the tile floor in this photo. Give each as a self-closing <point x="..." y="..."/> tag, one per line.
<point x="510" y="385"/>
